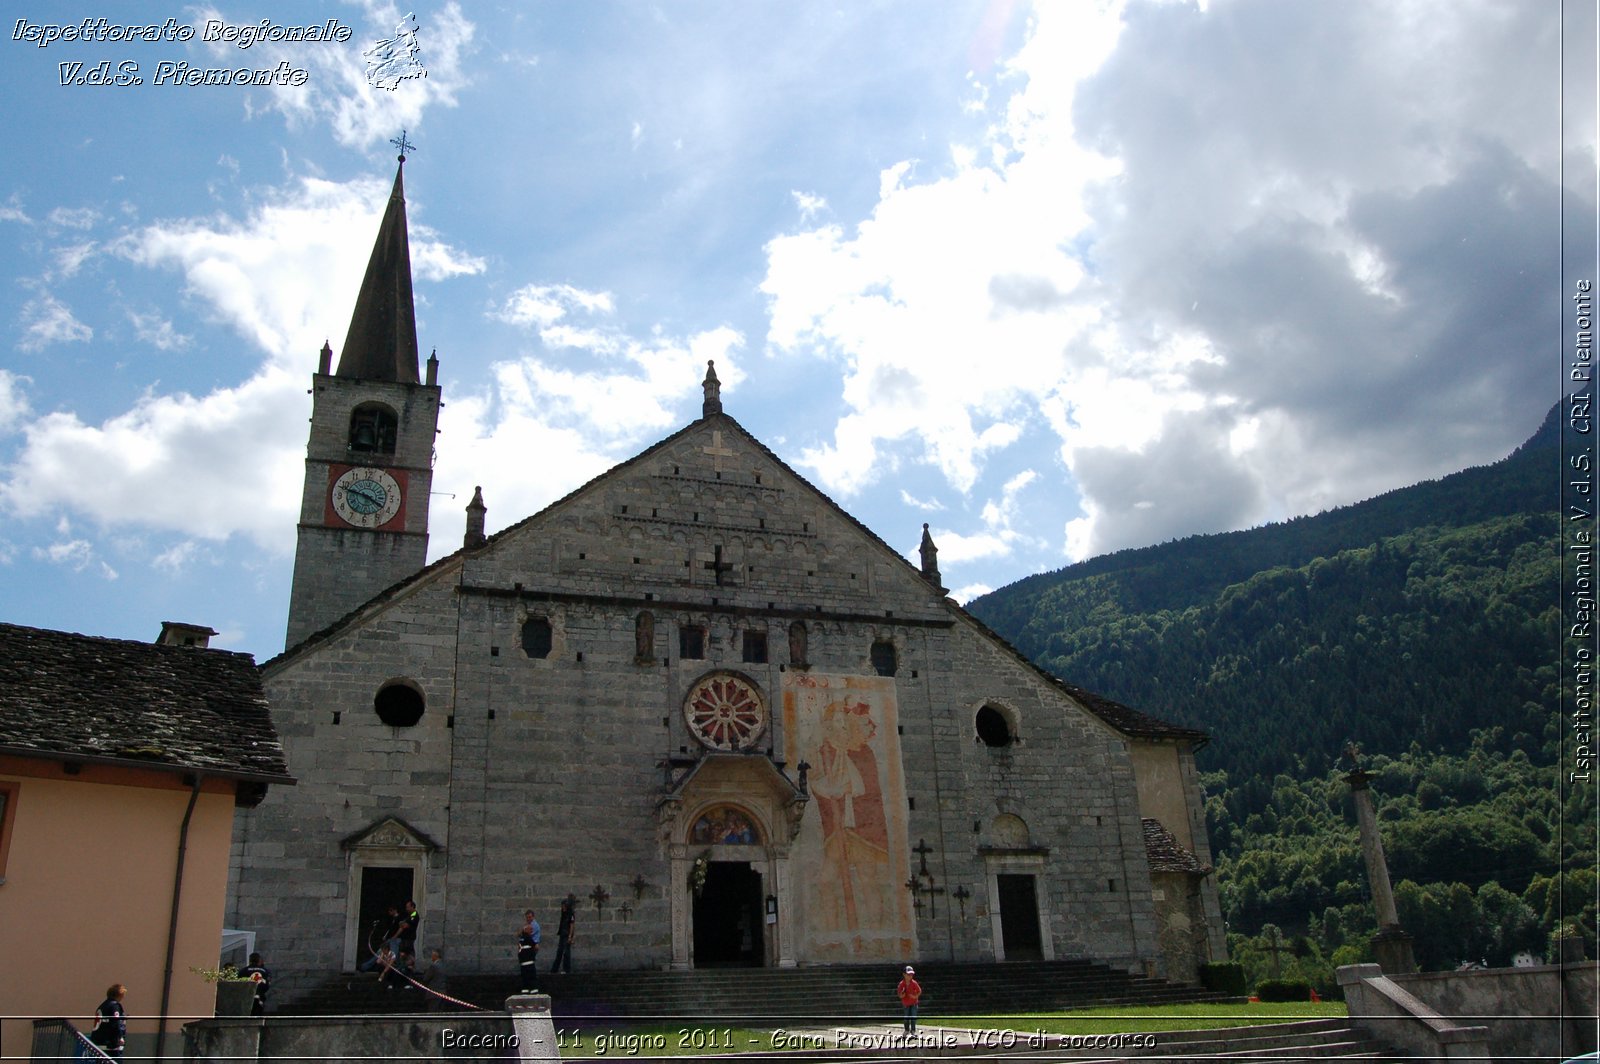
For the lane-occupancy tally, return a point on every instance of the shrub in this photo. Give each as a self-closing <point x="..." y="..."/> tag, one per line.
<point x="1224" y="977"/>
<point x="1283" y="990"/>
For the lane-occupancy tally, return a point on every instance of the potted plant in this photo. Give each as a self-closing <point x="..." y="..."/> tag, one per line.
<point x="235" y="993"/>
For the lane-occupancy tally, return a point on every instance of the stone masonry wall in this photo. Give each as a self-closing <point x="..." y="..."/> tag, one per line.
<point x="532" y="777"/>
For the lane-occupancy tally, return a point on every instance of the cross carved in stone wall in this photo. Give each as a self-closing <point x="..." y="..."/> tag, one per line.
<point x="717" y="451"/>
<point x="717" y="565"/>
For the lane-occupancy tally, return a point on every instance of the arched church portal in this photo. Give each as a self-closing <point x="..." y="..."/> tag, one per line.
<point x="727" y="872"/>
<point x="728" y="831"/>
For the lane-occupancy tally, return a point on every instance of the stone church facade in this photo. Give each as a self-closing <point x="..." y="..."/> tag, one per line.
<point x="699" y="697"/>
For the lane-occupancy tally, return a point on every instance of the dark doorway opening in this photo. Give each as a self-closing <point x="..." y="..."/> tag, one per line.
<point x="380" y="888"/>
<point x="728" y="932"/>
<point x="1019" y="919"/>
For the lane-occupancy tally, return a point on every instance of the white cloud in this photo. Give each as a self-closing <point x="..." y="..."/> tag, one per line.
<point x="46" y="321"/>
<point x="920" y="504"/>
<point x="178" y="558"/>
<point x="632" y="385"/>
<point x="809" y="205"/>
<point x="544" y="305"/>
<point x="73" y="217"/>
<point x="206" y="467"/>
<point x="338" y="92"/>
<point x="76" y="554"/>
<point x="967" y="592"/>
<point x="157" y="331"/>
<point x="287" y="275"/>
<point x="14" y="407"/>
<point x="1214" y="267"/>
<point x="997" y="537"/>
<point x="70" y="259"/>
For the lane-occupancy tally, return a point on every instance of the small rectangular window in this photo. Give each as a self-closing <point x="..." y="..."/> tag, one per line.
<point x="691" y="642"/>
<point x="536" y="637"/>
<point x="883" y="658"/>
<point x="755" y="647"/>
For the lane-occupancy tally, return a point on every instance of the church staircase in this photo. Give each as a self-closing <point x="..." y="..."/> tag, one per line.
<point x="824" y="995"/>
<point x="1300" y="1040"/>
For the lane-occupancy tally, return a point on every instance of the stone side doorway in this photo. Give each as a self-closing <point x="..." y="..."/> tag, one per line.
<point x="381" y="887"/>
<point x="1019" y="918"/>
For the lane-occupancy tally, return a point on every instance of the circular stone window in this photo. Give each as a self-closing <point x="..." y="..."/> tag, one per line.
<point x="725" y="712"/>
<point x="994" y="730"/>
<point x="399" y="705"/>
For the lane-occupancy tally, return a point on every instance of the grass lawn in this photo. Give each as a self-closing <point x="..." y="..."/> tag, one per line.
<point x="1113" y="1018"/>
<point x="648" y="1041"/>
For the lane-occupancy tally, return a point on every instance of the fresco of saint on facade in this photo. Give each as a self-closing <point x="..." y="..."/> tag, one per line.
<point x="855" y="828"/>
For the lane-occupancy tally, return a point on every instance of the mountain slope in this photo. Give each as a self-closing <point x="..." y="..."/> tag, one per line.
<point x="1190" y="571"/>
<point x="1415" y="616"/>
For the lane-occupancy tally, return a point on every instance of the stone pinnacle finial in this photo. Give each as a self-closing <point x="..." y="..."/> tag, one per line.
<point x="325" y="360"/>
<point x="930" y="560"/>
<point x="475" y="511"/>
<point x="713" y="387"/>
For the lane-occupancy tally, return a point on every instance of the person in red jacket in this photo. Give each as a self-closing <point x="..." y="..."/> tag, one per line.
<point x="910" y="992"/>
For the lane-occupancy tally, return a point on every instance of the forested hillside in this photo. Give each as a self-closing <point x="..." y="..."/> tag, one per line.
<point x="1195" y="570"/>
<point x="1422" y="624"/>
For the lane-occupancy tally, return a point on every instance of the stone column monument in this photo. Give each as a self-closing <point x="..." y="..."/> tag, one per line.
<point x="1391" y="944"/>
<point x="535" y="1031"/>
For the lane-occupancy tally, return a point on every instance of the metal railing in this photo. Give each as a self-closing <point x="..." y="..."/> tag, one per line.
<point x="57" y="1039"/>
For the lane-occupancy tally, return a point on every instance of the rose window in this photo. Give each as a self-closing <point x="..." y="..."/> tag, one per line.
<point x="725" y="712"/>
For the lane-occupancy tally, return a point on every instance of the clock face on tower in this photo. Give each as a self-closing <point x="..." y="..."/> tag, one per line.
<point x="365" y="497"/>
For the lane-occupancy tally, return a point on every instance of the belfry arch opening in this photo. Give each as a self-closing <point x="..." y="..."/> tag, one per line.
<point x="373" y="428"/>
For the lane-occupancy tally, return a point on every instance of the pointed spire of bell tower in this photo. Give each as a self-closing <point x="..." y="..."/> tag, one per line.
<point x="382" y="342"/>
<point x="369" y="455"/>
<point x="713" y="387"/>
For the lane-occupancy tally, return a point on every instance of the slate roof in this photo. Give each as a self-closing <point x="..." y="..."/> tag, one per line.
<point x="1166" y="853"/>
<point x="1123" y="718"/>
<point x="90" y="699"/>
<point x="1126" y="719"/>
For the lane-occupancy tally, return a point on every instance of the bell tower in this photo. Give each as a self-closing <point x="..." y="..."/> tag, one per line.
<point x="369" y="459"/>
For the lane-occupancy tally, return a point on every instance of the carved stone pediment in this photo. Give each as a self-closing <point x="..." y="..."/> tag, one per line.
<point x="745" y="781"/>
<point x="390" y="833"/>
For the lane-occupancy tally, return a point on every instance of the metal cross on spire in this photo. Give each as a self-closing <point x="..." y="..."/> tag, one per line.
<point x="403" y="144"/>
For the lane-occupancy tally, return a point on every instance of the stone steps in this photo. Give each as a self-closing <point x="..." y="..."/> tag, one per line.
<point x="827" y="995"/>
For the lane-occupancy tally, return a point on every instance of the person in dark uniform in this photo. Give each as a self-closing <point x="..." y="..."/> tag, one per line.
<point x="111" y="1022"/>
<point x="407" y="932"/>
<point x="390" y="923"/>
<point x="528" y="952"/>
<point x="566" y="935"/>
<point x="258" y="973"/>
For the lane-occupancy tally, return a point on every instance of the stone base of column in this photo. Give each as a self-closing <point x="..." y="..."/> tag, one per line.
<point x="535" y="1037"/>
<point x="1393" y="950"/>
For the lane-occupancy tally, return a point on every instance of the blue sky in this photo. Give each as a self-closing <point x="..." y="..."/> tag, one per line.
<point x="1055" y="279"/>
